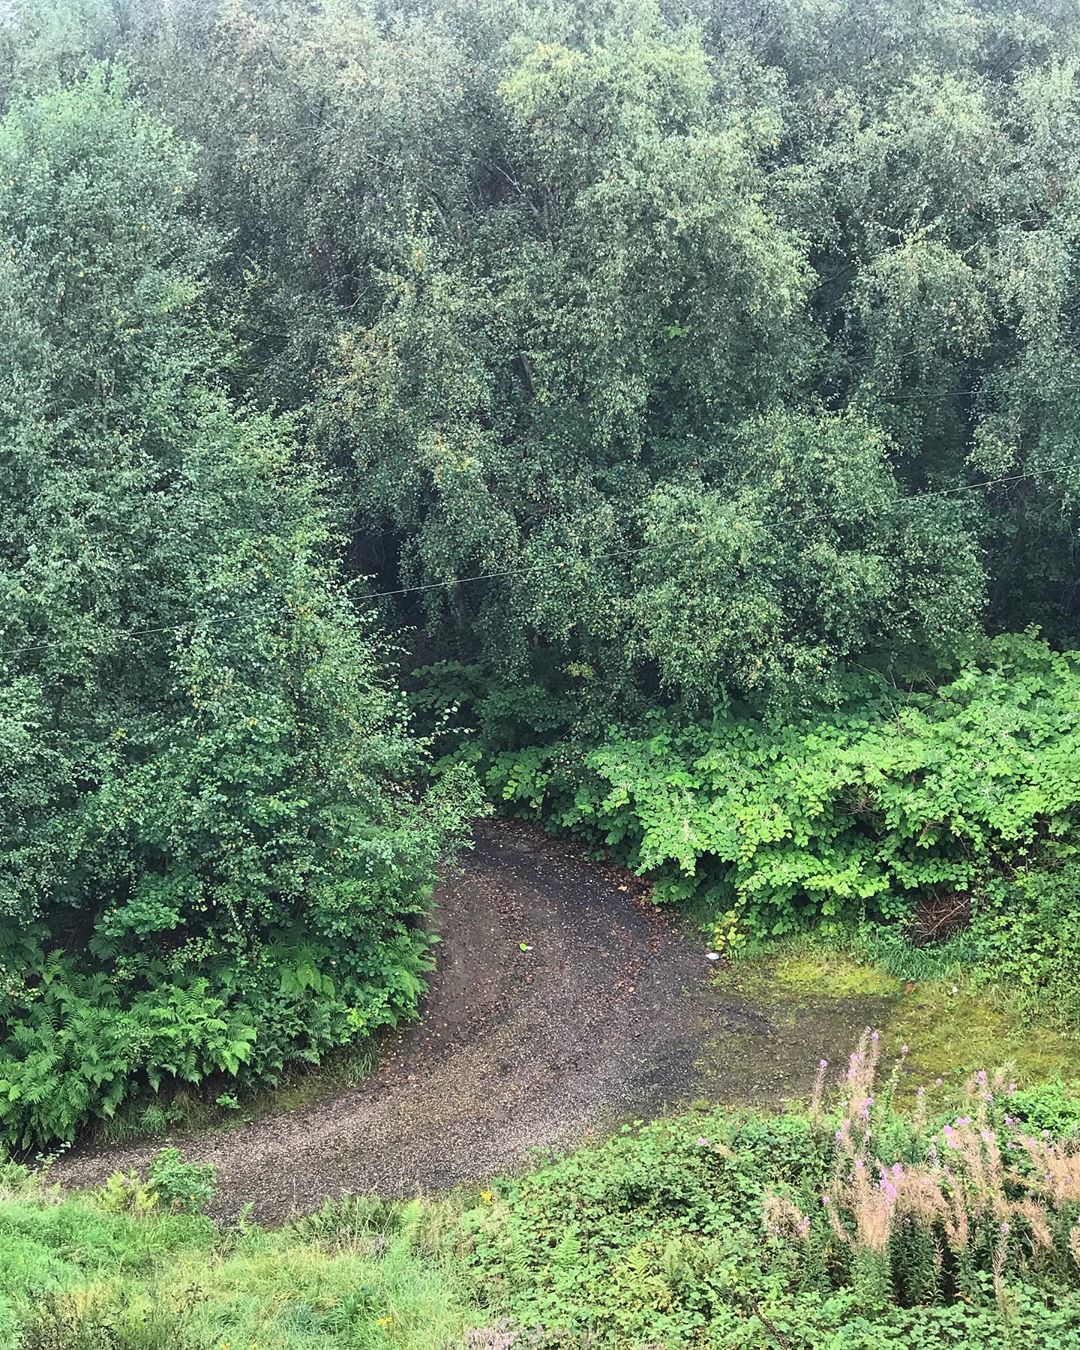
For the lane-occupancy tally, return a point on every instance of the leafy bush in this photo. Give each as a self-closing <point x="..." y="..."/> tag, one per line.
<point x="183" y="1186"/>
<point x="1053" y="1108"/>
<point x="1025" y="933"/>
<point x="79" y="1045"/>
<point x="890" y="799"/>
<point x="1022" y="941"/>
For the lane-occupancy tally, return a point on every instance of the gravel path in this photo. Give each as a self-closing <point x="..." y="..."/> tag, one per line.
<point x="609" y="1015"/>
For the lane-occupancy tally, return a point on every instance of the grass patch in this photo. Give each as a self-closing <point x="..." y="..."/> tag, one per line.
<point x="833" y="974"/>
<point x="75" y="1276"/>
<point x="954" y="1029"/>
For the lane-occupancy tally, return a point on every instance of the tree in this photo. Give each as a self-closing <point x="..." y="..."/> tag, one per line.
<point x="208" y="778"/>
<point x="806" y="557"/>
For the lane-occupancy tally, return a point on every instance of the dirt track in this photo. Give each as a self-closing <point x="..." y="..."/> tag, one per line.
<point x="611" y="1014"/>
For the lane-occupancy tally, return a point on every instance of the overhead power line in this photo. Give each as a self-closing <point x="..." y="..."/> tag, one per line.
<point x="500" y="573"/>
<point x="645" y="548"/>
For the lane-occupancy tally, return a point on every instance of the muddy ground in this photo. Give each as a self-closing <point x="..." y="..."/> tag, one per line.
<point x="612" y="1013"/>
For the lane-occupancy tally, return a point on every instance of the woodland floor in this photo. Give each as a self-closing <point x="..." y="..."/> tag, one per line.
<point x="612" y="1014"/>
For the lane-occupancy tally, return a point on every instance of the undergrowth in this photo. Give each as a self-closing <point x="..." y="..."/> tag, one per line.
<point x="851" y="1223"/>
<point x="964" y="798"/>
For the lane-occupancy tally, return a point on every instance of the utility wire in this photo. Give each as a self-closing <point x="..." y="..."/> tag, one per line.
<point x="644" y="548"/>
<point x="511" y="571"/>
<point x="507" y="572"/>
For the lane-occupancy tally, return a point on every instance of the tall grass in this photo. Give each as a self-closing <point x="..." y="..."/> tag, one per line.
<point x="79" y="1273"/>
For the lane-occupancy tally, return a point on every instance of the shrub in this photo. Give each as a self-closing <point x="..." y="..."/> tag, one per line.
<point x="862" y="812"/>
<point x="186" y="1187"/>
<point x="1053" y="1108"/>
<point x="1025" y="933"/>
<point x="209" y="823"/>
<point x="81" y="1044"/>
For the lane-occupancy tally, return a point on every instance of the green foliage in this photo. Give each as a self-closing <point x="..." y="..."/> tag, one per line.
<point x="1020" y="943"/>
<point x="696" y="330"/>
<point x="183" y="1186"/>
<point x="213" y="861"/>
<point x="61" y="1324"/>
<point x="806" y="557"/>
<point x="671" y="367"/>
<point x="892" y="798"/>
<point x="1053" y="1107"/>
<point x="88" y="1273"/>
<point x="704" y="1229"/>
<point x="710" y="1229"/>
<point x="1025" y="933"/>
<point x="732" y="348"/>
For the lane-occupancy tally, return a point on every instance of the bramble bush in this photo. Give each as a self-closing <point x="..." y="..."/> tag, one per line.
<point x="894" y="797"/>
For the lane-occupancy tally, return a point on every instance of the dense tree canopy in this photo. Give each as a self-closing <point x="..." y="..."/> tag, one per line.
<point x="549" y="284"/>
<point x="204" y="771"/>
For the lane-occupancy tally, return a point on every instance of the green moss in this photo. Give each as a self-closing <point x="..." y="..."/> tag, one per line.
<point x="950" y="1028"/>
<point x="833" y="975"/>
